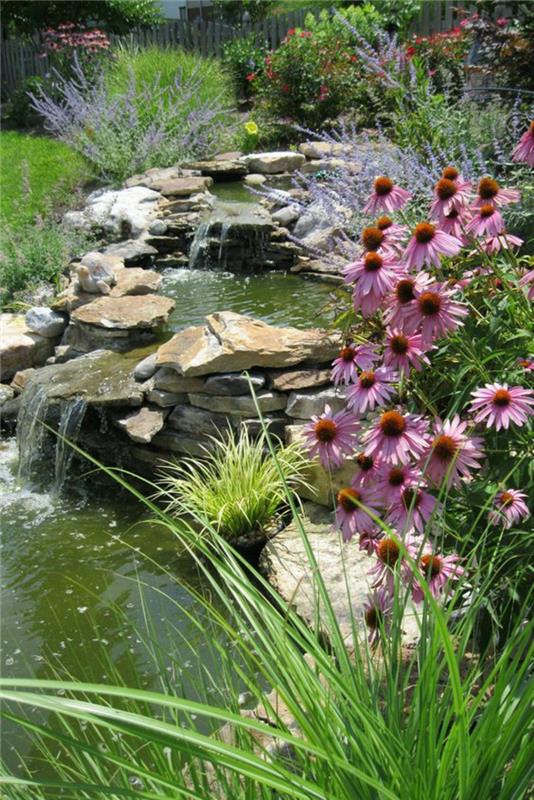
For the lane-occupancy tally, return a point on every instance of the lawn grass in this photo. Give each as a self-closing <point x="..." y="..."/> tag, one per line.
<point x="38" y="174"/>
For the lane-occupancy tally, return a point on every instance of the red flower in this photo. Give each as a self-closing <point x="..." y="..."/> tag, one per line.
<point x="291" y="32"/>
<point x="305" y="34"/>
<point x="324" y="91"/>
<point x="251" y="76"/>
<point x="285" y="88"/>
<point x="410" y="51"/>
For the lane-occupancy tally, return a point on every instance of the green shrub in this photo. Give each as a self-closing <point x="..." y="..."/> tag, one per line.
<point x="237" y="489"/>
<point x="316" y="74"/>
<point x="244" y="59"/>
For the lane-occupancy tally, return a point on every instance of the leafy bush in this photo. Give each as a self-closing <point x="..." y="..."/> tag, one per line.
<point x="444" y="56"/>
<point x="316" y="74"/>
<point x="244" y="59"/>
<point x="36" y="253"/>
<point x="18" y="110"/>
<point x="148" y="123"/>
<point x="237" y="488"/>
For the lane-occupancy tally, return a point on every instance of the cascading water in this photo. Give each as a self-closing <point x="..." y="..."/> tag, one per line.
<point x="30" y="429"/>
<point x="32" y="433"/>
<point x="199" y="246"/>
<point x="70" y="422"/>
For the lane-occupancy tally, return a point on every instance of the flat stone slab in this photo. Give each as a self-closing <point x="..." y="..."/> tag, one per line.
<point x="125" y="313"/>
<point x="305" y="403"/>
<point x="20" y="347"/>
<point x="230" y="342"/>
<point x="343" y="567"/>
<point x="143" y="425"/>
<point x="275" y="162"/>
<point x="185" y="187"/>
<point x="219" y="167"/>
<point x="133" y="252"/>
<point x="292" y="380"/>
<point x="103" y="378"/>
<point x="240" y="406"/>
<point x="130" y="281"/>
<point x="320" y="149"/>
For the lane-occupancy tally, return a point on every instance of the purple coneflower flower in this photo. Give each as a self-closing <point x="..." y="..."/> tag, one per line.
<point x="389" y="559"/>
<point x="500" y="405"/>
<point x="454" y="223"/>
<point x="413" y="509"/>
<point x="386" y="197"/>
<point x="401" y="299"/>
<point x="509" y="507"/>
<point x="403" y="351"/>
<point x="434" y="313"/>
<point x="373" y="388"/>
<point x="528" y="280"/>
<point x="524" y="150"/>
<point x="491" y="193"/>
<point x="449" y="195"/>
<point x="504" y="241"/>
<point x="395" y="436"/>
<point x="372" y="273"/>
<point x="451" y="454"/>
<point x="393" y="234"/>
<point x="438" y="570"/>
<point x="344" y="367"/>
<point x="488" y="221"/>
<point x="377" y="614"/>
<point x="392" y="480"/>
<point x="331" y="436"/>
<point x="367" y="469"/>
<point x="428" y="245"/>
<point x="351" y="518"/>
<point x="526" y="363"/>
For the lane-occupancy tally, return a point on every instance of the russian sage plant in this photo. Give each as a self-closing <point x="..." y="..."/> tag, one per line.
<point x="145" y="125"/>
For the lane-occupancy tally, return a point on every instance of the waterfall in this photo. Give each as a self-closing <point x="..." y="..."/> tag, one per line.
<point x="31" y="433"/>
<point x="199" y="246"/>
<point x="30" y="430"/>
<point x="70" y="422"/>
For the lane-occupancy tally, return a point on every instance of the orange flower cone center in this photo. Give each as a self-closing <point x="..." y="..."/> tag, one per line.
<point x="450" y="173"/>
<point x="411" y="498"/>
<point x="396" y="477"/>
<point x="373" y="617"/>
<point x="347" y="354"/>
<point x="388" y="551"/>
<point x="404" y="291"/>
<point x="348" y="499"/>
<point x="502" y="398"/>
<point x="488" y="188"/>
<point x="506" y="499"/>
<point x="325" y="430"/>
<point x="383" y="186"/>
<point x="373" y="262"/>
<point x="367" y="379"/>
<point x="431" y="565"/>
<point x="399" y="344"/>
<point x="444" y="448"/>
<point x="445" y="189"/>
<point x="429" y="304"/>
<point x="424" y="232"/>
<point x="487" y="211"/>
<point x="364" y="462"/>
<point x="372" y="238"/>
<point x="383" y="223"/>
<point x="392" y="423"/>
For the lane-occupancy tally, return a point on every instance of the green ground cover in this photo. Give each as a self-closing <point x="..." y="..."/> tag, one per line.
<point x="37" y="174"/>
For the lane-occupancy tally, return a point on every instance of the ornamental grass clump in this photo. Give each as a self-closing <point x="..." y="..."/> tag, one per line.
<point x="145" y="124"/>
<point x="237" y="488"/>
<point x="442" y="409"/>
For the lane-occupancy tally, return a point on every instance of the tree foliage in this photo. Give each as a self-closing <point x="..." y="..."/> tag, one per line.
<point x="25" y="17"/>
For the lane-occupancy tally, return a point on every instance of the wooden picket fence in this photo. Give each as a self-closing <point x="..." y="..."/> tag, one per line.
<point x="21" y="60"/>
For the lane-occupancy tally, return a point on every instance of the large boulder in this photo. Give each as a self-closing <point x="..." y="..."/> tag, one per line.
<point x="344" y="569"/>
<point x="136" y="312"/>
<point x="123" y="213"/>
<point x="134" y="252"/>
<point x="230" y="342"/>
<point x="20" y="347"/>
<point x="320" y="149"/>
<point x="273" y="163"/>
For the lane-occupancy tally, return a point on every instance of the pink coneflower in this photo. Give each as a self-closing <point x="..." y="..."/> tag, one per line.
<point x="331" y="436"/>
<point x="449" y="195"/>
<point x="412" y="510"/>
<point x="524" y="149"/>
<point x="367" y="469"/>
<point x="373" y="388"/>
<point x="368" y="540"/>
<point x="428" y="244"/>
<point x="454" y="222"/>
<point x="373" y="239"/>
<point x="393" y="234"/>
<point x="351" y="518"/>
<point x="372" y="273"/>
<point x="489" y="192"/>
<point x="509" y="508"/>
<point x="390" y="559"/>
<point x="488" y="221"/>
<point x="386" y="197"/>
<point x="403" y="351"/>
<point x="500" y="405"/>
<point x="401" y="299"/>
<point x="438" y="571"/>
<point x="435" y="313"/>
<point x="526" y="363"/>
<point x="377" y="614"/>
<point x="505" y="241"/>
<point x="452" y="454"/>
<point x="528" y="280"/>
<point x="344" y="367"/>
<point x="396" y="437"/>
<point x="392" y="480"/>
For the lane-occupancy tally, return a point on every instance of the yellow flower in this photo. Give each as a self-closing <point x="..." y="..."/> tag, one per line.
<point x="251" y="128"/>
